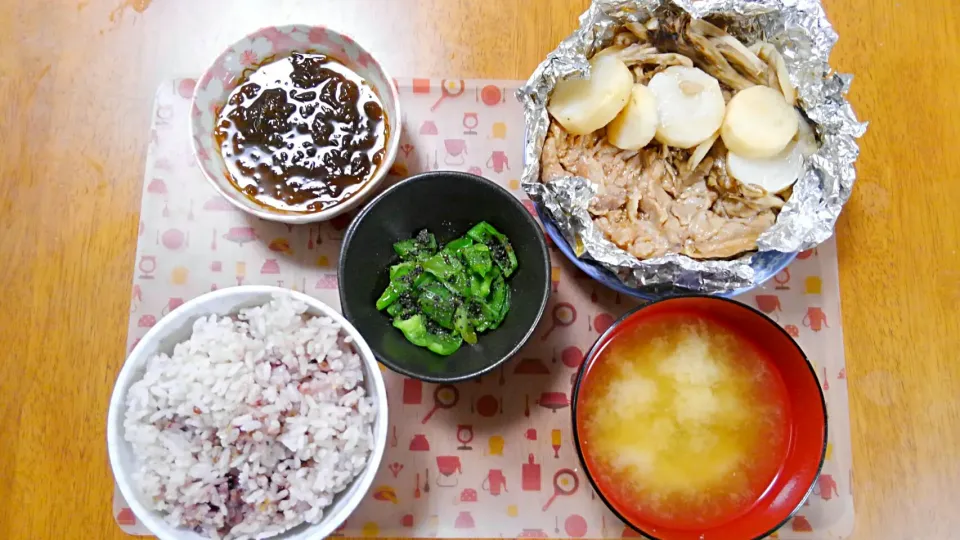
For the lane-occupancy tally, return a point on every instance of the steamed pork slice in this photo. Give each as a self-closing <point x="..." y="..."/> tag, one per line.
<point x="647" y="206"/>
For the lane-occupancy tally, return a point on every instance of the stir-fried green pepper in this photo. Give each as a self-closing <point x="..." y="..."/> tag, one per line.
<point x="443" y="344"/>
<point x="500" y="248"/>
<point x="463" y="324"/>
<point x="423" y="245"/>
<point x="478" y="258"/>
<point x="439" y="299"/>
<point x="439" y="304"/>
<point x="403" y="277"/>
<point x="414" y="329"/>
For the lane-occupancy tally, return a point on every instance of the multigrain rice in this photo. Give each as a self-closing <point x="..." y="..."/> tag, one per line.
<point x="253" y="424"/>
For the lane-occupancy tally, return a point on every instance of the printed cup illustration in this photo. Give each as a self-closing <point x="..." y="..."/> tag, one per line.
<point x="499" y="130"/>
<point x="813" y="285"/>
<point x="495" y="445"/>
<point x="495" y="482"/>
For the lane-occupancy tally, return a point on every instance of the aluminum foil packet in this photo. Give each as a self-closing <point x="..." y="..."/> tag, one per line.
<point x="804" y="36"/>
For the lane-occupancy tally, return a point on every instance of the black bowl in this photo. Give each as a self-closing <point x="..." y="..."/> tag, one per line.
<point x="447" y="203"/>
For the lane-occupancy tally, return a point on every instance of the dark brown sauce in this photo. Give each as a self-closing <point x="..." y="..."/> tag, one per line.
<point x="302" y="134"/>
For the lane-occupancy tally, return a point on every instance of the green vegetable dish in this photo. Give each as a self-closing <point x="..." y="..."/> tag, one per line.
<point x="440" y="298"/>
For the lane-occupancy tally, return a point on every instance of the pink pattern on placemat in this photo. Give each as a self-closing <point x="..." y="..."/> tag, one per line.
<point x="486" y="461"/>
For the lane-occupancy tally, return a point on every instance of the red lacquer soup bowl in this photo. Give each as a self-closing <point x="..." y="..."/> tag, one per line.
<point x="798" y="462"/>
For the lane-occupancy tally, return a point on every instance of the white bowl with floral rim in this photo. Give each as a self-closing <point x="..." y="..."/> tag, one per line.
<point x="231" y="68"/>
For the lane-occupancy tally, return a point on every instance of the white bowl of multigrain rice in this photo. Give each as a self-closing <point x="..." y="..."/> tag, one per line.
<point x="210" y="417"/>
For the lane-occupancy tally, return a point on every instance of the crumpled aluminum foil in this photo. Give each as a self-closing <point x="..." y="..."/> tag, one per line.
<point x="804" y="36"/>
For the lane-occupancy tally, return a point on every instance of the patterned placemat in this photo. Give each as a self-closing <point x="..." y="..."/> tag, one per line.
<point x="500" y="462"/>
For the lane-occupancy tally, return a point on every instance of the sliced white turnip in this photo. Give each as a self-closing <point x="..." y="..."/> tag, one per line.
<point x="759" y="123"/>
<point x="582" y="106"/>
<point x="636" y="124"/>
<point x="773" y="174"/>
<point x="690" y="105"/>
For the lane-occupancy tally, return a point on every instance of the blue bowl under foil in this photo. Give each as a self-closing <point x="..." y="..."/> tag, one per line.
<point x="765" y="264"/>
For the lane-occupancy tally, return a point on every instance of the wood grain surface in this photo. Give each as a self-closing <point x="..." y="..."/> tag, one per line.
<point x="77" y="80"/>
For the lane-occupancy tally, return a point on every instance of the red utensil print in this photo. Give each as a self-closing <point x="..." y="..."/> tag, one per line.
<point x="147" y="266"/>
<point x="464" y="521"/>
<point x="801" y="524"/>
<point x="495" y="482"/>
<point x="565" y="483"/>
<point x="531" y="366"/>
<point x="769" y="304"/>
<point x="428" y="127"/>
<point x="270" y="267"/>
<point x="240" y="235"/>
<point x="125" y="517"/>
<point x="487" y="406"/>
<point x="575" y="526"/>
<point x="826" y="487"/>
<point x="781" y="279"/>
<point x="419" y="443"/>
<point x="416" y="491"/>
<point x="217" y="204"/>
<point x="146" y="321"/>
<point x="563" y="315"/>
<point x="464" y="436"/>
<point x="406" y="148"/>
<point x="174" y="239"/>
<point x="157" y="187"/>
<point x="185" y="87"/>
<point x="553" y="401"/>
<point x="531" y="434"/>
<point x="498" y="161"/>
<point x="470" y="123"/>
<point x="572" y="357"/>
<point x="448" y="467"/>
<point x="815" y="319"/>
<point x="491" y="95"/>
<point x="449" y="89"/>
<point x="395" y="468"/>
<point x="393" y="438"/>
<point x="456" y="151"/>
<point x="526" y="406"/>
<point x="445" y="396"/>
<point x="792" y="330"/>
<point x="412" y="391"/>
<point x="530" y="475"/>
<point x="602" y="322"/>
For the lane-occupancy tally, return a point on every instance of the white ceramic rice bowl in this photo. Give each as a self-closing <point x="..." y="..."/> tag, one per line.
<point x="177" y="327"/>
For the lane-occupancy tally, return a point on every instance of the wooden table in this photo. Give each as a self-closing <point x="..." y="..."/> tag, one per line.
<point x="77" y="81"/>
